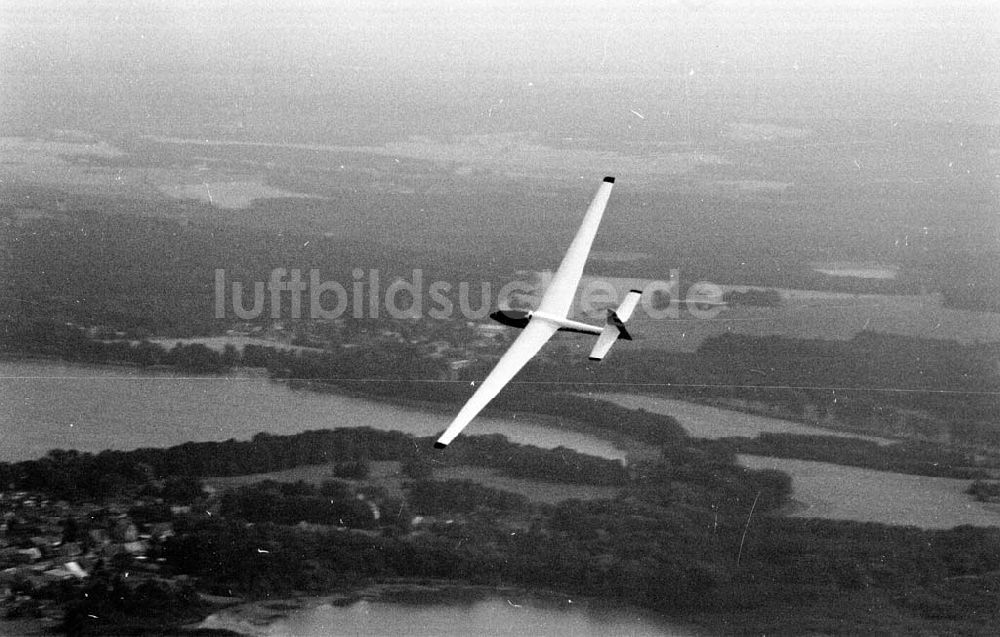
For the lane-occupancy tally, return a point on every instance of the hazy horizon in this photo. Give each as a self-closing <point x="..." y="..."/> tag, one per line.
<point x="328" y="72"/>
<point x="766" y="133"/>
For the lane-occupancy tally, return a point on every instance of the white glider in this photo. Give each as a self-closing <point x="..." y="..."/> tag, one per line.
<point x="551" y="316"/>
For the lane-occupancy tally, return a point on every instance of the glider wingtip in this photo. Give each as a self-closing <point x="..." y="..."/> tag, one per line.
<point x="440" y="445"/>
<point x="636" y="291"/>
<point x="609" y="180"/>
<point x="595" y="358"/>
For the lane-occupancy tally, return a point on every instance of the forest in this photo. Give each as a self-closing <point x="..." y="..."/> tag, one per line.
<point x="76" y="476"/>
<point x="691" y="535"/>
<point x="916" y="458"/>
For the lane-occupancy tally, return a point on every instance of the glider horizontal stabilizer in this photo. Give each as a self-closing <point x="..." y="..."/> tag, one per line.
<point x="614" y="328"/>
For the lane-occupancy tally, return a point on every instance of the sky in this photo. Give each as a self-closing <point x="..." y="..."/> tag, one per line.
<point x="394" y="69"/>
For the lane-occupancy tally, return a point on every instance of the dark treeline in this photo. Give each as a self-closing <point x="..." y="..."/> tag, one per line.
<point x="915" y="458"/>
<point x="524" y="461"/>
<point x="435" y="497"/>
<point x="985" y="490"/>
<point x="754" y="296"/>
<point x="332" y="503"/>
<point x="73" y="475"/>
<point x="72" y="343"/>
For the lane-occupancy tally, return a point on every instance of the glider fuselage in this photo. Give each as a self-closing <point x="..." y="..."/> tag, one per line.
<point x="520" y="319"/>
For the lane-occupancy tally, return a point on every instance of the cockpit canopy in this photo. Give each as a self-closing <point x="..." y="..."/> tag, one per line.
<point x="513" y="318"/>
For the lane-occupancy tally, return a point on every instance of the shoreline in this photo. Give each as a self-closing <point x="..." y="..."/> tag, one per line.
<point x="632" y="449"/>
<point x="621" y="442"/>
<point x="248" y="617"/>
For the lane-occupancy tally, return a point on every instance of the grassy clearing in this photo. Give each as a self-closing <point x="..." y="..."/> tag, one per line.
<point x="388" y="476"/>
<point x="536" y="491"/>
<point x="383" y="474"/>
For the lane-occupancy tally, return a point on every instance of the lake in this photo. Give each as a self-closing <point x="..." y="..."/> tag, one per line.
<point x="837" y="492"/>
<point x="48" y="404"/>
<point x="493" y="616"/>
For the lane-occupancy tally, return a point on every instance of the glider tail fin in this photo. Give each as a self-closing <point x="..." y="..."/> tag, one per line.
<point x="615" y="320"/>
<point x="614" y="328"/>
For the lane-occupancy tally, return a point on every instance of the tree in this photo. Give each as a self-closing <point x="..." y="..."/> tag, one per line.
<point x="230" y="355"/>
<point x="417" y="469"/>
<point x="356" y="470"/>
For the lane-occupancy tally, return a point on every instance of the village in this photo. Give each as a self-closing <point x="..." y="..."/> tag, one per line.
<point x="47" y="546"/>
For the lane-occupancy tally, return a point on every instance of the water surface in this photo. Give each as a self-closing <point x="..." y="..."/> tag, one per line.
<point x="491" y="617"/>
<point x="46" y="405"/>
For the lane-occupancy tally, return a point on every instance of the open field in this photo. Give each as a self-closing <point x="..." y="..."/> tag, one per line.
<point x="227" y="194"/>
<point x="387" y="475"/>
<point x="838" y="492"/>
<point x="534" y="490"/>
